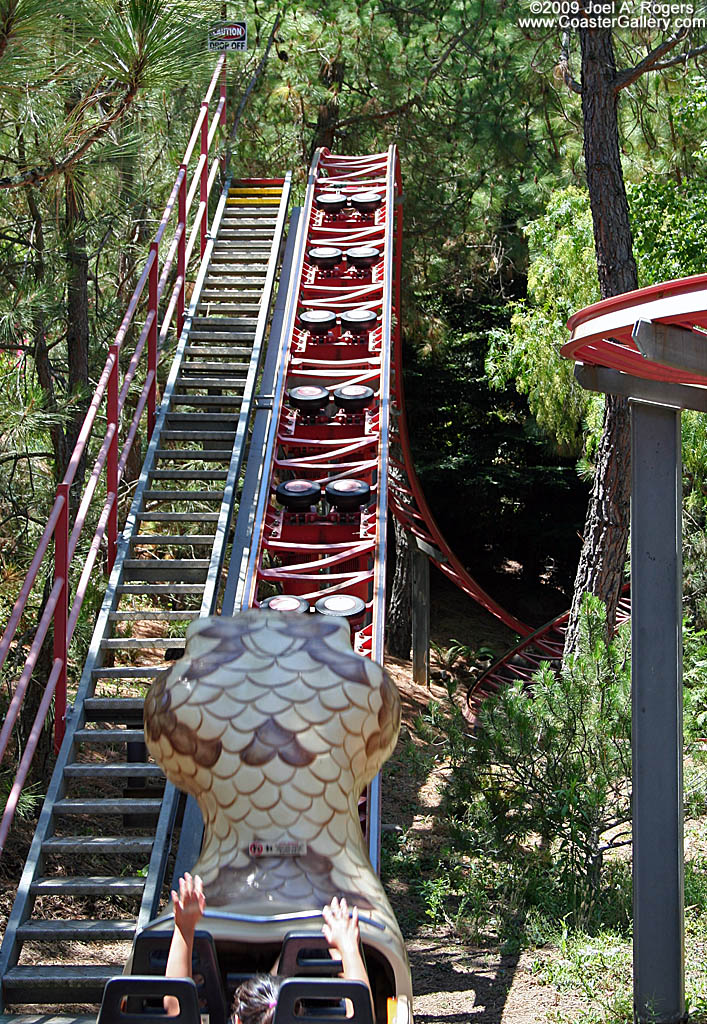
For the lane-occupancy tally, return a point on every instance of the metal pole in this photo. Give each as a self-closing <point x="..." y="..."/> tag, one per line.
<point x="204" y="178"/>
<point x="152" y="306"/>
<point x="420" y="616"/>
<point x="112" y="461"/>
<point x="182" y="249"/>
<point x="656" y="673"/>
<point x="61" y="613"/>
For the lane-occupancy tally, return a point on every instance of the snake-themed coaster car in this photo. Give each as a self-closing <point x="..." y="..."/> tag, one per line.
<point x="275" y="726"/>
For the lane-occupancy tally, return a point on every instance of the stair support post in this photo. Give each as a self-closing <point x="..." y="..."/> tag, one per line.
<point x="112" y="459"/>
<point x="204" y="180"/>
<point x="152" y="336"/>
<point x="61" y="613"/>
<point x="182" y="247"/>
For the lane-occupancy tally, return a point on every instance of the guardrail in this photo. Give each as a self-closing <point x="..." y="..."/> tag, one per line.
<point x="111" y="393"/>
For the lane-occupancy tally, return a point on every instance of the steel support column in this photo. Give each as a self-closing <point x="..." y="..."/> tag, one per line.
<point x="420" y="616"/>
<point x="656" y="637"/>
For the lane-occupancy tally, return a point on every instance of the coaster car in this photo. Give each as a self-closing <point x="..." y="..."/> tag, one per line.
<point x="275" y="726"/>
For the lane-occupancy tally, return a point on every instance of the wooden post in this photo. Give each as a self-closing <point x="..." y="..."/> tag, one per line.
<point x="420" y="616"/>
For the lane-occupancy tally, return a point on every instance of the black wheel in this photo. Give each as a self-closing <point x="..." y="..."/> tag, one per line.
<point x="358" y="321"/>
<point x="285" y="603"/>
<point x="362" y="256"/>
<point x="341" y="606"/>
<point x="298" y="495"/>
<point x="347" y="495"/>
<point x="325" y="256"/>
<point x="366" y="202"/>
<point x="308" y="398"/>
<point x="353" y="397"/>
<point x="317" y="321"/>
<point x="330" y="202"/>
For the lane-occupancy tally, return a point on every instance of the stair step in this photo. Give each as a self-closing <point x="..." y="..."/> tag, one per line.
<point x="187" y="380"/>
<point x="76" y="983"/>
<point x="212" y="419"/>
<point x="131" y="672"/>
<point x="118" y="709"/>
<point x="178" y="517"/>
<point x="244" y="275"/>
<point x="227" y="306"/>
<point x="222" y="323"/>
<point x="207" y="400"/>
<point x="118" y="770"/>
<point x="218" y="350"/>
<point x="189" y="570"/>
<point x="235" y="369"/>
<point x="46" y="1018"/>
<point x="151" y="495"/>
<point x="109" y="735"/>
<point x="221" y="279"/>
<point x="217" y="289"/>
<point x="81" y="931"/>
<point x="157" y="643"/>
<point x="156" y="615"/>
<point x="99" y="844"/>
<point x="111" y="805"/>
<point x="188" y="474"/>
<point x="175" y="539"/>
<point x="166" y="590"/>
<point x="227" y="254"/>
<point x="202" y="435"/>
<point x="244" y="232"/>
<point x="90" y="885"/>
<point x="194" y="454"/>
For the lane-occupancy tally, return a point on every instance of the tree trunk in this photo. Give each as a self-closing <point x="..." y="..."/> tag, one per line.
<point x="77" y="333"/>
<point x="398" y="626"/>
<point x="601" y="563"/>
<point x="332" y="76"/>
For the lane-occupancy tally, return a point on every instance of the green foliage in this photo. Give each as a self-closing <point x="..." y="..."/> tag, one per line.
<point x="669" y="223"/>
<point x="544" y="783"/>
<point x="561" y="278"/>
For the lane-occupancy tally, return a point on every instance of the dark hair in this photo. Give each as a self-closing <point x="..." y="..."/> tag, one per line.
<point x="255" y="999"/>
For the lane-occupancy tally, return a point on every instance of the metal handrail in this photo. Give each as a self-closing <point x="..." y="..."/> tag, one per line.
<point x="109" y="459"/>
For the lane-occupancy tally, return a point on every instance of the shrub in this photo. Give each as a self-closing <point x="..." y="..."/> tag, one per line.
<point x="545" y="782"/>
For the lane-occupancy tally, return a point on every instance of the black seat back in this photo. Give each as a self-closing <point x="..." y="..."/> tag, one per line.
<point x="123" y="994"/>
<point x="320" y="1001"/>
<point x="150" y="957"/>
<point x="305" y="953"/>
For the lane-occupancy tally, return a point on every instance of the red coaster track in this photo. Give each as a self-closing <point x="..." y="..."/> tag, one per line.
<point x="320" y="527"/>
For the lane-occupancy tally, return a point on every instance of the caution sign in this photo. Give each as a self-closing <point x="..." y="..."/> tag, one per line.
<point x="228" y="35"/>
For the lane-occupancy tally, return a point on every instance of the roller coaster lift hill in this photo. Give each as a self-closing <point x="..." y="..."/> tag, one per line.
<point x="272" y="711"/>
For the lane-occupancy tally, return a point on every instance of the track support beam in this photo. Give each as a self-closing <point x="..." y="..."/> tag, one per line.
<point x="656" y="684"/>
<point x="656" y="679"/>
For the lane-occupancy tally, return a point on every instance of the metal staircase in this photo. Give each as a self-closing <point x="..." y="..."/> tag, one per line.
<point x="104" y="835"/>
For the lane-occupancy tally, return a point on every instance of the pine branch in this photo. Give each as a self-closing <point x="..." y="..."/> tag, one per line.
<point x="402" y="108"/>
<point x="562" y="68"/>
<point x="652" y="61"/>
<point x="35" y="175"/>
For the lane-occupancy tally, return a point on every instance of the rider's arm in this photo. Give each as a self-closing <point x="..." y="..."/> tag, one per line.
<point x="188" y="907"/>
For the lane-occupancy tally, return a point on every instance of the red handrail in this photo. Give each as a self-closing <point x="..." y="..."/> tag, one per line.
<point x="58" y="609"/>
